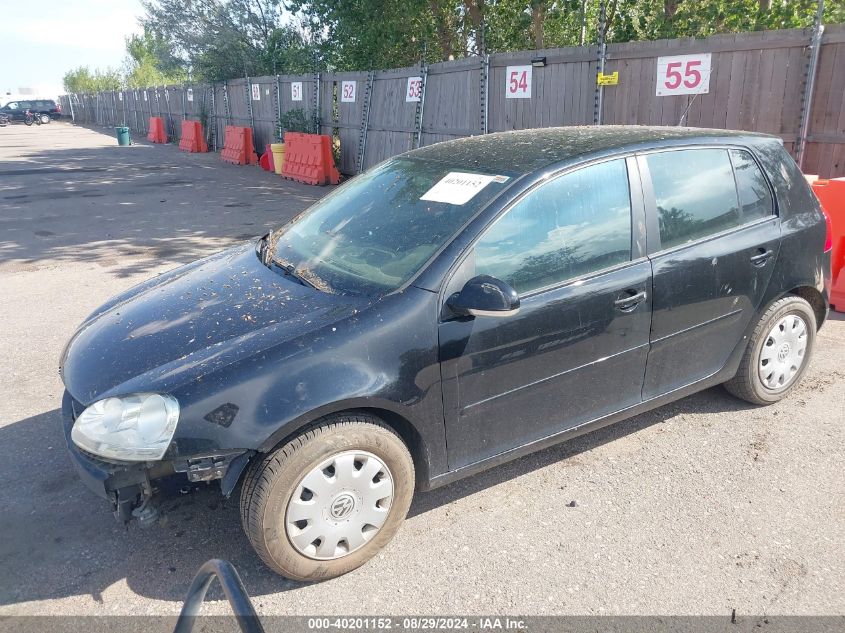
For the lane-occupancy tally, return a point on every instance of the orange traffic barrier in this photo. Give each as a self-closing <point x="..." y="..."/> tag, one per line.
<point x="328" y="160"/>
<point x="308" y="159"/>
<point x="266" y="160"/>
<point x="156" y="134"/>
<point x="237" y="146"/>
<point x="831" y="193"/>
<point x="192" y="138"/>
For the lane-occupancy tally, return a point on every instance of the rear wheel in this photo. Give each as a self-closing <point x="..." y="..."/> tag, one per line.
<point x="44" y="118"/>
<point x="777" y="354"/>
<point x="328" y="500"/>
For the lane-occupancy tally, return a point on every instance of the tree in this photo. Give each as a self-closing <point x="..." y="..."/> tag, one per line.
<point x="82" y="79"/>
<point x="219" y="39"/>
<point x="147" y="62"/>
<point x="372" y="33"/>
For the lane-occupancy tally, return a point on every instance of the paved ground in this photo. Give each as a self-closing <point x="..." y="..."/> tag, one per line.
<point x="696" y="508"/>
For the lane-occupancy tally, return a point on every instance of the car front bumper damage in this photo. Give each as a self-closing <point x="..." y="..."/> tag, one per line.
<point x="129" y="486"/>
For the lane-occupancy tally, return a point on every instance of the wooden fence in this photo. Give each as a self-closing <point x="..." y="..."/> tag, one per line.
<point x="757" y="82"/>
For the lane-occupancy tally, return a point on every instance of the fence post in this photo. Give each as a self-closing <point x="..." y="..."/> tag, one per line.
<point x="70" y="101"/>
<point x="279" y="110"/>
<point x="810" y="84"/>
<point x="597" y="111"/>
<point x="213" y="124"/>
<point x="418" y="115"/>
<point x="484" y="92"/>
<point x="226" y="100"/>
<point x="249" y="109"/>
<point x="365" y="121"/>
<point x="315" y="104"/>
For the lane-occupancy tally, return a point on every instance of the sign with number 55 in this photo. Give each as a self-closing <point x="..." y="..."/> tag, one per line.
<point x="518" y="82"/>
<point x="683" y="74"/>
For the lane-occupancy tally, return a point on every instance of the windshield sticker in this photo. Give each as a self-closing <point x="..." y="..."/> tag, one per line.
<point x="457" y="187"/>
<point x="501" y="179"/>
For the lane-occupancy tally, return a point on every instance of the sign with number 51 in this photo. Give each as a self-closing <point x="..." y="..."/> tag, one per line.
<point x="518" y="82"/>
<point x="683" y="74"/>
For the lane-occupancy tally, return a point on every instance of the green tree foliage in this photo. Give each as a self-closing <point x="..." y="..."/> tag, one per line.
<point x="219" y="39"/>
<point x="149" y="62"/>
<point x="388" y="33"/>
<point x="82" y="79"/>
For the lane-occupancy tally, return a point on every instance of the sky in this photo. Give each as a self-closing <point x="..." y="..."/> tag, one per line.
<point x="40" y="42"/>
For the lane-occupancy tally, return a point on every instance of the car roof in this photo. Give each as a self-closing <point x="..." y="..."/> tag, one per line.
<point x="525" y="151"/>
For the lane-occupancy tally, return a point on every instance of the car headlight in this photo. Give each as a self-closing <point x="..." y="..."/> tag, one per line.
<point x="133" y="428"/>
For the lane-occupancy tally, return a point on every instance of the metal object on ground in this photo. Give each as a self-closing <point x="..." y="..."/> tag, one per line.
<point x="233" y="588"/>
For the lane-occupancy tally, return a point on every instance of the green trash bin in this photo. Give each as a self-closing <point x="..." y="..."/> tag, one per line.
<point x="122" y="135"/>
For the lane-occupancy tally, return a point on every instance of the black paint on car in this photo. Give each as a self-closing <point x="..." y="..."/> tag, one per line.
<point x="453" y="308"/>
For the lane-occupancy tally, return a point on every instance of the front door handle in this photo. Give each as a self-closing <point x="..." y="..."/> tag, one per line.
<point x="629" y="302"/>
<point x="762" y="257"/>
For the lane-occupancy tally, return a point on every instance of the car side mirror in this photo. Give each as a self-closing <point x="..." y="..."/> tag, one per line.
<point x="484" y="296"/>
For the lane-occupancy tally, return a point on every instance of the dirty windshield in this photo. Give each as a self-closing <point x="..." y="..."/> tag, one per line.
<point x="374" y="233"/>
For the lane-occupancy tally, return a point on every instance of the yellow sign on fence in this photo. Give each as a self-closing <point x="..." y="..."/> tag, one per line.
<point x="608" y="80"/>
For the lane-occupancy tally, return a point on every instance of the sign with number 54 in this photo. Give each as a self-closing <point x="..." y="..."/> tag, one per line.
<point x="518" y="82"/>
<point x="683" y="75"/>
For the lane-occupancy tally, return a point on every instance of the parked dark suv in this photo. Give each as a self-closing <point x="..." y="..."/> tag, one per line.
<point x="17" y="110"/>
<point x="453" y="308"/>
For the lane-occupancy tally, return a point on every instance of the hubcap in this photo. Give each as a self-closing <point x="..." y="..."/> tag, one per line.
<point x="783" y="352"/>
<point x="339" y="506"/>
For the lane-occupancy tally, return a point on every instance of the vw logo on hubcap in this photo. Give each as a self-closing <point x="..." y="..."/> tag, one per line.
<point x="342" y="506"/>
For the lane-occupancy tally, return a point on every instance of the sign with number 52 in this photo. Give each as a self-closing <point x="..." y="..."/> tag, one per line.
<point x="518" y="82"/>
<point x="347" y="91"/>
<point x="683" y="74"/>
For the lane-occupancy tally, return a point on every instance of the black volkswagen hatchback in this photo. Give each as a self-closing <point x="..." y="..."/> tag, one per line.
<point x="448" y="310"/>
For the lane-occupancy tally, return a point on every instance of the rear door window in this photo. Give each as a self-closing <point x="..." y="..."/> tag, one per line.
<point x="574" y="225"/>
<point x="755" y="198"/>
<point x="695" y="194"/>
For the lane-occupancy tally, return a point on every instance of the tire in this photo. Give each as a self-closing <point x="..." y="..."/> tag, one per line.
<point x="44" y="118"/>
<point x="275" y="491"/>
<point x="773" y="354"/>
<point x="28" y="121"/>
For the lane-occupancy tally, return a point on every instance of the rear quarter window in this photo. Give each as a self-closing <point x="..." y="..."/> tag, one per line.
<point x="695" y="194"/>
<point x="755" y="198"/>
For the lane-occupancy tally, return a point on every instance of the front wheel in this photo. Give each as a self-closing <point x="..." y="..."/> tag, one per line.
<point x="777" y="354"/>
<point x="29" y="121"/>
<point x="327" y="501"/>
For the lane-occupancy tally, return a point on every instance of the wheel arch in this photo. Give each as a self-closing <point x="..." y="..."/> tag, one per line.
<point x="401" y="424"/>
<point x="812" y="296"/>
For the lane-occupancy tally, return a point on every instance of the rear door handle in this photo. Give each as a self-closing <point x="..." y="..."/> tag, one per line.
<point x="629" y="302"/>
<point x="763" y="256"/>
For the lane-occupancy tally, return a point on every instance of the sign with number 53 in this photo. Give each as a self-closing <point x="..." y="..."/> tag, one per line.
<point x="414" y="91"/>
<point x="518" y="82"/>
<point x="683" y="75"/>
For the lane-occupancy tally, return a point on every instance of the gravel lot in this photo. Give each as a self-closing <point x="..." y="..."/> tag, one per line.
<point x="696" y="508"/>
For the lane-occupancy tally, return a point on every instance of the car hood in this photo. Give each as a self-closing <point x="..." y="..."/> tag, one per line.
<point x="193" y="320"/>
